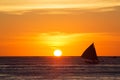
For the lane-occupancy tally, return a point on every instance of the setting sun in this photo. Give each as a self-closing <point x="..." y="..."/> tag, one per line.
<point x="57" y="53"/>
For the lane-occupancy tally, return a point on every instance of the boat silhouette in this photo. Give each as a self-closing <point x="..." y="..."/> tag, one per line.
<point x="90" y="56"/>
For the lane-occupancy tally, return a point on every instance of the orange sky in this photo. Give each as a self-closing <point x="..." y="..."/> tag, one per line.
<point x="38" y="27"/>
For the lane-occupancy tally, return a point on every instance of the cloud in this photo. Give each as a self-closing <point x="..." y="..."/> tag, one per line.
<point x="23" y="5"/>
<point x="63" y="11"/>
<point x="54" y="39"/>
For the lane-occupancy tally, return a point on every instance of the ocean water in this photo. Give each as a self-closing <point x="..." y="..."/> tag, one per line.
<point x="58" y="68"/>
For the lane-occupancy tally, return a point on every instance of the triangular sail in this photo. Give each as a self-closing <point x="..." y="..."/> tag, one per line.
<point x="90" y="53"/>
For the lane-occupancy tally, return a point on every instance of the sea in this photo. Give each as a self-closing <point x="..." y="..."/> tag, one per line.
<point x="59" y="68"/>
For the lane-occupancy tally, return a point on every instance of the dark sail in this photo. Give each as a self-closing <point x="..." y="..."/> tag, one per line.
<point x="90" y="53"/>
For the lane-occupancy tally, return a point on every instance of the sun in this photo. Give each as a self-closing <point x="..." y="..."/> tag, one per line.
<point x="57" y="53"/>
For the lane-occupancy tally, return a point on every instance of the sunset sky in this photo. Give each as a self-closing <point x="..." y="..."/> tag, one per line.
<point x="38" y="27"/>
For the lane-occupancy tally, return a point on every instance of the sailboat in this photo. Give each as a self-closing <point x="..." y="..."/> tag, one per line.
<point x="90" y="56"/>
